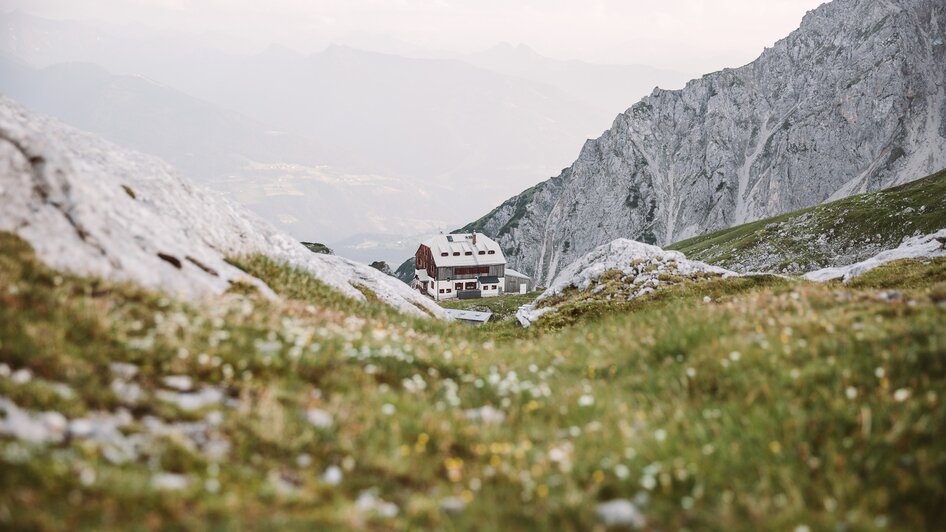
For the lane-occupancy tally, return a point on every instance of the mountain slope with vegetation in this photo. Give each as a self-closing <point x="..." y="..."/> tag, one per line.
<point x="833" y="234"/>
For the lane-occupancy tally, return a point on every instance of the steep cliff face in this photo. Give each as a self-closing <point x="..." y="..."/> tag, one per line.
<point x="852" y="101"/>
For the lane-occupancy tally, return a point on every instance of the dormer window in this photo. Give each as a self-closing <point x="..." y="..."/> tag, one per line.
<point x="491" y="252"/>
<point x="468" y="253"/>
<point x="444" y="254"/>
<point x="456" y="253"/>
<point x="482" y="252"/>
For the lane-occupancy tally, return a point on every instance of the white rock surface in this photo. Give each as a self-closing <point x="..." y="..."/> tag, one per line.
<point x="62" y="191"/>
<point x="619" y="254"/>
<point x="928" y="246"/>
<point x="852" y="101"/>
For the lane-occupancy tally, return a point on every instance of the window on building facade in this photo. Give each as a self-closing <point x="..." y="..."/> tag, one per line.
<point x="471" y="286"/>
<point x="441" y="290"/>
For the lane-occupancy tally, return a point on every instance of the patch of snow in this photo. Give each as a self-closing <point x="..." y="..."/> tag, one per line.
<point x="92" y="208"/>
<point x="927" y="246"/>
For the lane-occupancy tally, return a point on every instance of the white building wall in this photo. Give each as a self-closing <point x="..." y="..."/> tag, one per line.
<point x="450" y="292"/>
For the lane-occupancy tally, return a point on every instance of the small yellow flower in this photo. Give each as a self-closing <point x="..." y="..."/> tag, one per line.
<point x="597" y="476"/>
<point x="421" y="444"/>
<point x="775" y="447"/>
<point x="542" y="491"/>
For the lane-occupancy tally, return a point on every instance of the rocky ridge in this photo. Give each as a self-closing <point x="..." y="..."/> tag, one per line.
<point x="89" y="207"/>
<point x="852" y="101"/>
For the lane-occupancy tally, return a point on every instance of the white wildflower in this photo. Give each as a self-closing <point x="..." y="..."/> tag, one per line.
<point x="648" y="482"/>
<point x="169" y="482"/>
<point x="332" y="475"/>
<point x="180" y="383"/>
<point x="620" y="513"/>
<point x="22" y="376"/>
<point x="318" y="417"/>
<point x="621" y="471"/>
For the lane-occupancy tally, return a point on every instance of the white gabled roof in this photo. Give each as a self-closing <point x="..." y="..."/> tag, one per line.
<point x="513" y="273"/>
<point x="463" y="243"/>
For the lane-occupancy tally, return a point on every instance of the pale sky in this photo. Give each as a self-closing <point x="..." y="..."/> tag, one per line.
<point x="690" y="35"/>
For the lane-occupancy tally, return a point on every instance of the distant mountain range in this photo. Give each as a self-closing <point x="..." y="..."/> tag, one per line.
<point x="326" y="145"/>
<point x="852" y="101"/>
<point x="302" y="185"/>
<point x="610" y="88"/>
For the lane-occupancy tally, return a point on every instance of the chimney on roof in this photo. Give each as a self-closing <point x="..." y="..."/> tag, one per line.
<point x="474" y="238"/>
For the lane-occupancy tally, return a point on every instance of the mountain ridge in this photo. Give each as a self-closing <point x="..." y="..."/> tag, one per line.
<point x="851" y="101"/>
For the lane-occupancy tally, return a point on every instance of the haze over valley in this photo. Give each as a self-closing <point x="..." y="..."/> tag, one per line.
<point x="365" y="146"/>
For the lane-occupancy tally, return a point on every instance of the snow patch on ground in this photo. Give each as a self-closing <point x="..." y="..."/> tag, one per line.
<point x="928" y="246"/>
<point x="92" y="208"/>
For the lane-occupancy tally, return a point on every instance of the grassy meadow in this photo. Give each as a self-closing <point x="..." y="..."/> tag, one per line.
<point x="719" y="404"/>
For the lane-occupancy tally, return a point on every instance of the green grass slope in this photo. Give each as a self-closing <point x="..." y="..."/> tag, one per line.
<point x="774" y="405"/>
<point x="833" y="234"/>
<point x="503" y="307"/>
